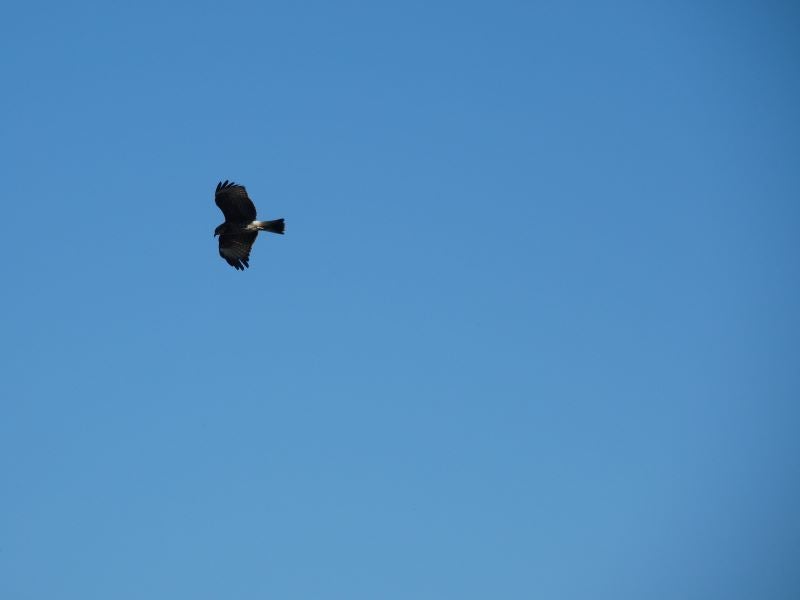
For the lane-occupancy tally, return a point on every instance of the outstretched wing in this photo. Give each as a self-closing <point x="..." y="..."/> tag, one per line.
<point x="235" y="248"/>
<point x="234" y="202"/>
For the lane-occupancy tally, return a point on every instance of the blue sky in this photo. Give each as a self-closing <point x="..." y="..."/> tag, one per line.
<point x="533" y="331"/>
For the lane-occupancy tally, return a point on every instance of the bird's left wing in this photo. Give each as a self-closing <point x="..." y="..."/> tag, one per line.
<point x="235" y="248"/>
<point x="234" y="202"/>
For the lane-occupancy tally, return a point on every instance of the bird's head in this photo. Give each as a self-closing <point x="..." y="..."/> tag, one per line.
<point x="219" y="229"/>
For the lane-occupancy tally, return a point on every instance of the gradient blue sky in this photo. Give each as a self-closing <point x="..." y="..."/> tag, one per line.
<point x="533" y="331"/>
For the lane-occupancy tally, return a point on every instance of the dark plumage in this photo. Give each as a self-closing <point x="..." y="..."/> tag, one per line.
<point x="240" y="229"/>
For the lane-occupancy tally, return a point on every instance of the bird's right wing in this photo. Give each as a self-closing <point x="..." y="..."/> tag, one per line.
<point x="235" y="248"/>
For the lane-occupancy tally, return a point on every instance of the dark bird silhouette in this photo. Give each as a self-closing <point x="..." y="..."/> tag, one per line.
<point x="240" y="229"/>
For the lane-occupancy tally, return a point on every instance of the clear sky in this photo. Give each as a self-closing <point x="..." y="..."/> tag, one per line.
<point x="532" y="332"/>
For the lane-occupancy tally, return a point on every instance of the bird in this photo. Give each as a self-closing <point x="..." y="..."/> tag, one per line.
<point x="240" y="229"/>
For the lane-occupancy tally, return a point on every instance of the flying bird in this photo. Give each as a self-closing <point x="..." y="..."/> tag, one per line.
<point x="240" y="229"/>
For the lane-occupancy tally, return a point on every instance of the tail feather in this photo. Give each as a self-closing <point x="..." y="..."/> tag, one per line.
<point x="276" y="226"/>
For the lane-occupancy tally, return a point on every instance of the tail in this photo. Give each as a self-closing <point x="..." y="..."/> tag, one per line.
<point x="275" y="226"/>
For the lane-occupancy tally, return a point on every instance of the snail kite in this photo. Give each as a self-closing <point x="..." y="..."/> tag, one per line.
<point x="239" y="231"/>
